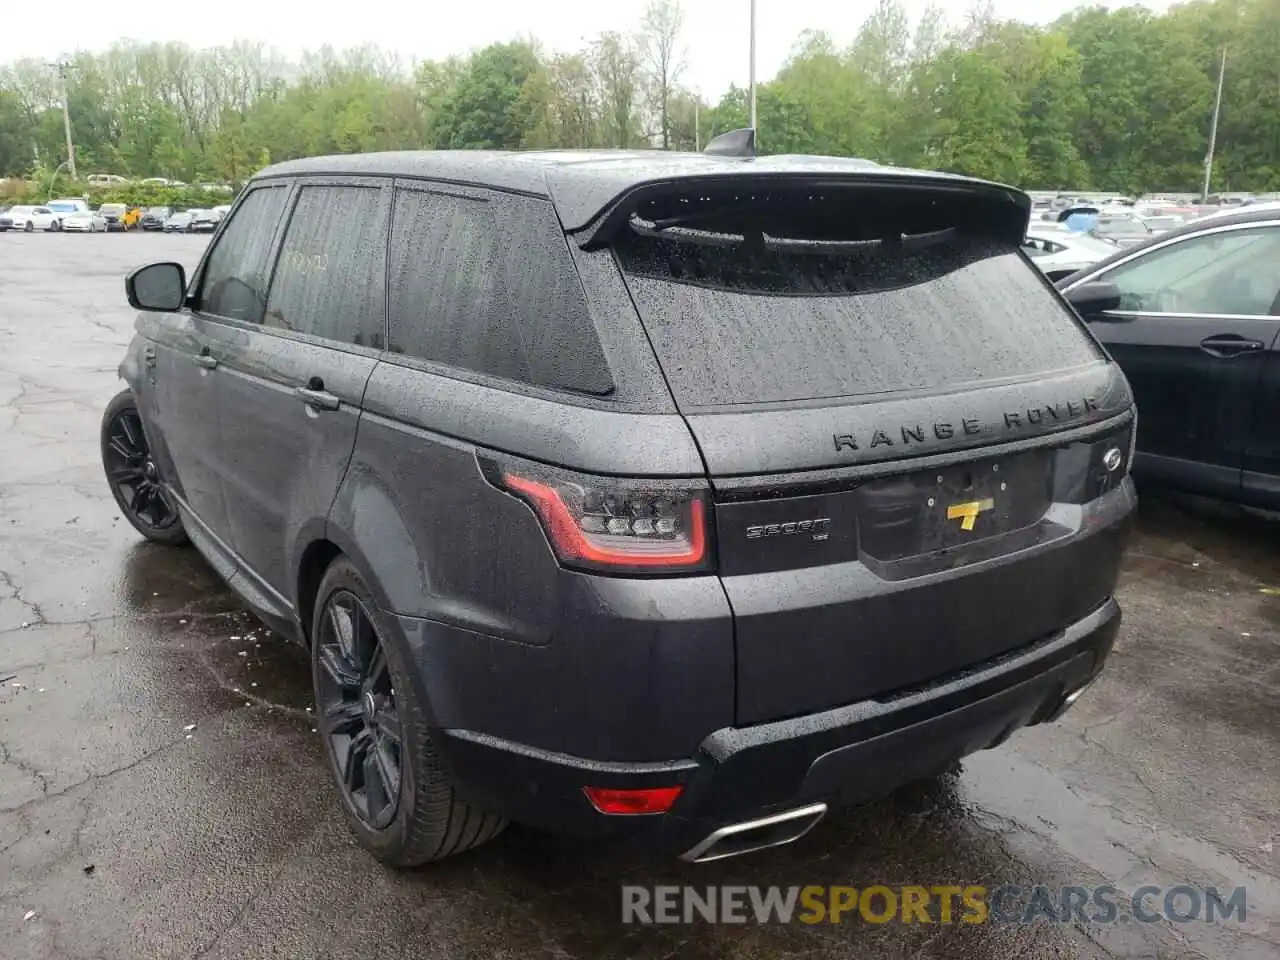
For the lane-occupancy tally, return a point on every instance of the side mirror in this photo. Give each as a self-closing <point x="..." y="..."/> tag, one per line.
<point x="1094" y="298"/>
<point x="157" y="286"/>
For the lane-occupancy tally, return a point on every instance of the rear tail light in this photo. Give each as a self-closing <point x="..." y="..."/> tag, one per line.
<point x="632" y="802"/>
<point x="1087" y="470"/>
<point x="1111" y="460"/>
<point x="617" y="526"/>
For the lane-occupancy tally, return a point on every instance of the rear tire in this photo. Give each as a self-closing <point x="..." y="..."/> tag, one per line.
<point x="375" y="729"/>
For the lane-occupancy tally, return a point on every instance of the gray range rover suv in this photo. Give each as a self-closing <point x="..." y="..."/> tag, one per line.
<point x="633" y="494"/>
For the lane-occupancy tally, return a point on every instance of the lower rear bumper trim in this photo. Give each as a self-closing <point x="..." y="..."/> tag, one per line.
<point x="843" y="755"/>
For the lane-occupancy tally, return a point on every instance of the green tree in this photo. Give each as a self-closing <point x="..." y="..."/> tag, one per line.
<point x="845" y="116"/>
<point x="617" y="71"/>
<point x="658" y="47"/>
<point x="1111" y="99"/>
<point x="487" y="108"/>
<point x="978" y="127"/>
<point x="17" y="135"/>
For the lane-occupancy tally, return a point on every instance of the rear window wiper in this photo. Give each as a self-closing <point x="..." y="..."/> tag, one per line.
<point x="901" y="241"/>
<point x="668" y="229"/>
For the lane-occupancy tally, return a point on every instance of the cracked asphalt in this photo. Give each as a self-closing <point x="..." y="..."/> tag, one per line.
<point x="126" y="832"/>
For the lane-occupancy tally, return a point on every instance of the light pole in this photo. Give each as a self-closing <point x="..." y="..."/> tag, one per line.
<point x="753" y="64"/>
<point x="54" y="179"/>
<point x="1213" y="130"/>
<point x="66" y="116"/>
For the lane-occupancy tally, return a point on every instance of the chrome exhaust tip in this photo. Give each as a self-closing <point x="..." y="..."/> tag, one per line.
<point x="751" y="835"/>
<point x="1069" y="700"/>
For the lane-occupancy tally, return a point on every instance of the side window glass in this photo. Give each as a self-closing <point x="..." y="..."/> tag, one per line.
<point x="489" y="286"/>
<point x="1237" y="272"/>
<point x="330" y="278"/>
<point x="235" y="277"/>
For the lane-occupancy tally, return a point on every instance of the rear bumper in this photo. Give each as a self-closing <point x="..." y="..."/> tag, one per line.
<point x="848" y="754"/>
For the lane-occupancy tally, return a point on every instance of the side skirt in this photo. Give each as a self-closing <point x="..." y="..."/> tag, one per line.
<point x="265" y="602"/>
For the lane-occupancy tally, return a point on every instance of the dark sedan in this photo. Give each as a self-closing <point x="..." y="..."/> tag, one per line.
<point x="1193" y="318"/>
<point x="154" y="218"/>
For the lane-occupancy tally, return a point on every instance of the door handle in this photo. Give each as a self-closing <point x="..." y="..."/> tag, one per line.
<point x="206" y="360"/>
<point x="1229" y="345"/>
<point x="317" y="398"/>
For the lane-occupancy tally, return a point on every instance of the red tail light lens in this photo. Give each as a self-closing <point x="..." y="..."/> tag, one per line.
<point x="632" y="802"/>
<point x="618" y="526"/>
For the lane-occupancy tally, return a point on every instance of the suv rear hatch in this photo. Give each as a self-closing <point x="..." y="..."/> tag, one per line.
<point x="899" y="418"/>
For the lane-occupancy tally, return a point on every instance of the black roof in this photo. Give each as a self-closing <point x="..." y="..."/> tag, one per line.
<point x="584" y="182"/>
<point x="1260" y="213"/>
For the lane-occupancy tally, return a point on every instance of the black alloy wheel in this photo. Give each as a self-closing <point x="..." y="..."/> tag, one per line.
<point x="357" y="705"/>
<point x="397" y="794"/>
<point x="134" y="476"/>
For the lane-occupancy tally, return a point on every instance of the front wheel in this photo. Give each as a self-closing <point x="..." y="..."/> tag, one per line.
<point x="134" y="476"/>
<point x="395" y="791"/>
<point x="29" y="227"/>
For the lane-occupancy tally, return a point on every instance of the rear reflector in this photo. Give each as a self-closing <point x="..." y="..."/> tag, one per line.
<point x="632" y="802"/>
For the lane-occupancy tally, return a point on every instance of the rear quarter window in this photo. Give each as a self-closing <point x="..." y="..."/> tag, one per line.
<point x="486" y="284"/>
<point x="733" y="325"/>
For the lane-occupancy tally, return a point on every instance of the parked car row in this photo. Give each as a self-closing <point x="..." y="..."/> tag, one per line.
<point x="74" y="215"/>
<point x="1071" y="238"/>
<point x="196" y="220"/>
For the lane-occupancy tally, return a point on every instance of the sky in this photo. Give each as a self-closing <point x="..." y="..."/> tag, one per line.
<point x="715" y="35"/>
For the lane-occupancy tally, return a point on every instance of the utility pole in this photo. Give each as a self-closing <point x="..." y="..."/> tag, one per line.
<point x="62" y="67"/>
<point x="753" y="64"/>
<point x="1213" y="130"/>
<point x="697" y="130"/>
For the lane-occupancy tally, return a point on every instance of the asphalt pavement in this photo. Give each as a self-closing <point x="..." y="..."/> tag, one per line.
<point x="163" y="794"/>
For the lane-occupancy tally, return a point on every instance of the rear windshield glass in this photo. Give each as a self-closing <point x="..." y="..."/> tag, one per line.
<point x="748" y="324"/>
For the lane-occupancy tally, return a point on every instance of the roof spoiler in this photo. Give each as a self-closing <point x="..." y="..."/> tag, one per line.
<point x="735" y="143"/>
<point x="1002" y="211"/>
